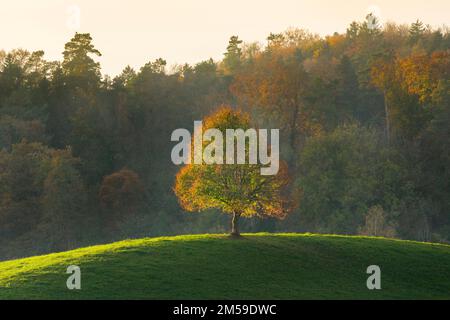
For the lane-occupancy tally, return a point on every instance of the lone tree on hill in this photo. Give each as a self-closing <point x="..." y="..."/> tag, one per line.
<point x="236" y="189"/>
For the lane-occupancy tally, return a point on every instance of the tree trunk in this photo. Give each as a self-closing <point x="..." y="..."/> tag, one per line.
<point x="293" y="127"/>
<point x="234" y="225"/>
<point x="386" y="111"/>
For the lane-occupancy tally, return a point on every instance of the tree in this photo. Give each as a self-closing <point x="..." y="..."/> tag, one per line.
<point x="24" y="84"/>
<point x="347" y="97"/>
<point x="22" y="175"/>
<point x="343" y="174"/>
<point x="275" y="40"/>
<point x="376" y="224"/>
<point x="422" y="74"/>
<point x="39" y="187"/>
<point x="353" y="30"/>
<point x="121" y="194"/>
<point x="416" y="31"/>
<point x="232" y="60"/>
<point x="372" y="23"/>
<point x="383" y="77"/>
<point x="237" y="189"/>
<point x="156" y="67"/>
<point x="125" y="78"/>
<point x="78" y="64"/>
<point x="13" y="130"/>
<point x="75" y="84"/>
<point x="275" y="82"/>
<point x="64" y="202"/>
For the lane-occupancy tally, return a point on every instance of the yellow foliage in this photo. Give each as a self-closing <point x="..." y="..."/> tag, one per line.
<point x="232" y="188"/>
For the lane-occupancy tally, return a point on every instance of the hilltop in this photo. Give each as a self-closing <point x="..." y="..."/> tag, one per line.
<point x="258" y="266"/>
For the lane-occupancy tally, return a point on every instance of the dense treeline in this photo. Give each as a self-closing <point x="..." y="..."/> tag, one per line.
<point x="364" y="119"/>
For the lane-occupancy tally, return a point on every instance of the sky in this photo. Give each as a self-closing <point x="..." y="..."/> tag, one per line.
<point x="133" y="32"/>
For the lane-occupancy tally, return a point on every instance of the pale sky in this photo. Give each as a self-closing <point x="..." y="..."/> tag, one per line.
<point x="136" y="31"/>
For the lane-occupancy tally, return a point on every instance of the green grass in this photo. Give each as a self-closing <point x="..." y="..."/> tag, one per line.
<point x="258" y="266"/>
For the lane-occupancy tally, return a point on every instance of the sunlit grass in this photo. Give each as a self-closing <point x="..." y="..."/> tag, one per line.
<point x="258" y="266"/>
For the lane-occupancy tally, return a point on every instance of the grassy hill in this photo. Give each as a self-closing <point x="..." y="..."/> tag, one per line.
<point x="258" y="266"/>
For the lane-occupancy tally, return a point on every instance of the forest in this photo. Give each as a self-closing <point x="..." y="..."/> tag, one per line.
<point x="364" y="119"/>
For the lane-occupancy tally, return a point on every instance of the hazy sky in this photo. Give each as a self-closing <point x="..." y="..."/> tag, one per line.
<point x="136" y="31"/>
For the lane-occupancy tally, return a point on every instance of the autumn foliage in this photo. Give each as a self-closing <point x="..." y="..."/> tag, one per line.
<point x="121" y="192"/>
<point x="237" y="189"/>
